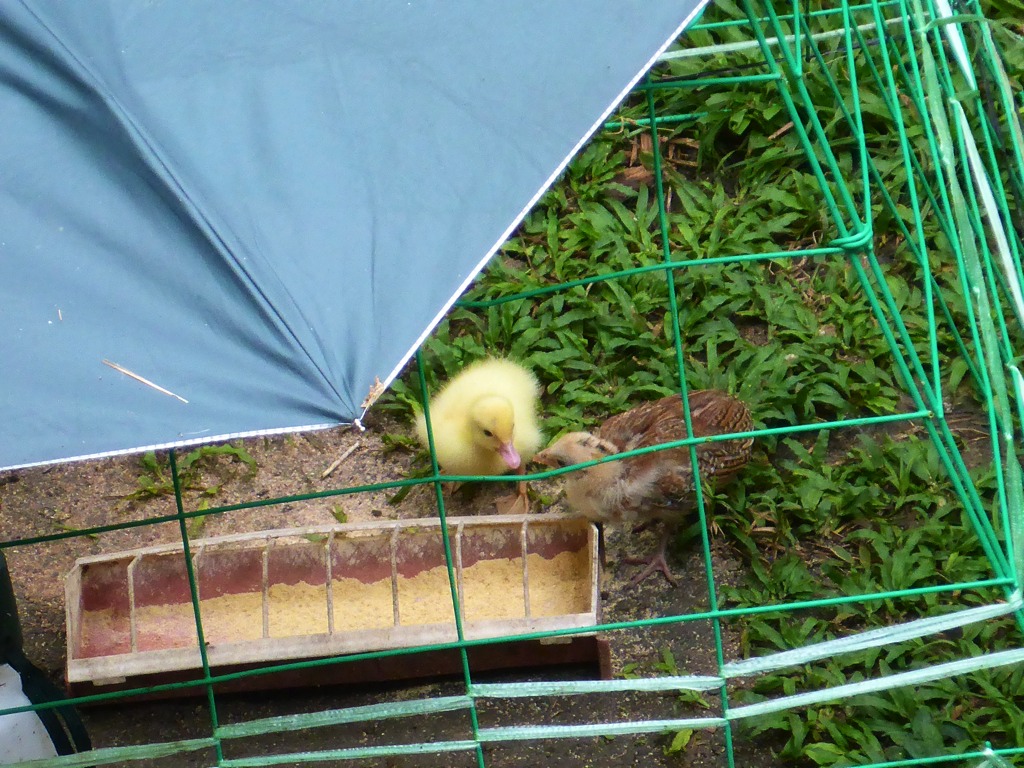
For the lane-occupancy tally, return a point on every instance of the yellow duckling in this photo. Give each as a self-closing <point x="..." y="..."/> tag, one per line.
<point x="484" y="421"/>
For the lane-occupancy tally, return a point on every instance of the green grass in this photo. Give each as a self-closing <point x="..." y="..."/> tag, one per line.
<point x="194" y="472"/>
<point x="818" y="513"/>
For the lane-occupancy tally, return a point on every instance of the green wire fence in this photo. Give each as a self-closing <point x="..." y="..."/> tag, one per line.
<point x="946" y="185"/>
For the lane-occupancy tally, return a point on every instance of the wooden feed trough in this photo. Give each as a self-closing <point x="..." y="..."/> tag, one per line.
<point x="324" y="591"/>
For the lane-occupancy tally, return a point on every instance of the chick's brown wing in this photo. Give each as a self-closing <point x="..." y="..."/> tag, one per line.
<point x="647" y="424"/>
<point x="716" y="413"/>
<point x="661" y="421"/>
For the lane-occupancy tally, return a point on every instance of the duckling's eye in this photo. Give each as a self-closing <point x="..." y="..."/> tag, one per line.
<point x="562" y="462"/>
<point x="488" y="433"/>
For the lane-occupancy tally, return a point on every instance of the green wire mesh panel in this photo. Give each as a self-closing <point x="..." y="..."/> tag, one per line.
<point x="815" y="210"/>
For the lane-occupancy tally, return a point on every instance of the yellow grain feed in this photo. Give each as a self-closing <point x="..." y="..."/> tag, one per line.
<point x="492" y="590"/>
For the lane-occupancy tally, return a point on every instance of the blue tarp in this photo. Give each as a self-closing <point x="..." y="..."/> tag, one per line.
<point x="263" y="207"/>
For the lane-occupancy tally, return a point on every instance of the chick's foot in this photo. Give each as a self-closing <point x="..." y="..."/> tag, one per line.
<point x="657" y="562"/>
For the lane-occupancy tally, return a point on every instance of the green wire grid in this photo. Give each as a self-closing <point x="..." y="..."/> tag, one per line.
<point x="938" y="77"/>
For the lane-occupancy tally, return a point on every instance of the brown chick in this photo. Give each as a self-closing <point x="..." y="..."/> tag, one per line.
<point x="657" y="485"/>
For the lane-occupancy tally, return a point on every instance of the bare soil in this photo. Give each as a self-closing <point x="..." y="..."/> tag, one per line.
<point x="49" y="500"/>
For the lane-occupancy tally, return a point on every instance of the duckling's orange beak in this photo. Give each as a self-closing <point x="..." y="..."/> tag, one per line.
<point x="510" y="455"/>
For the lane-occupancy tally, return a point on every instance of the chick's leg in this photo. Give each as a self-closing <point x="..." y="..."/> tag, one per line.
<point x="657" y="562"/>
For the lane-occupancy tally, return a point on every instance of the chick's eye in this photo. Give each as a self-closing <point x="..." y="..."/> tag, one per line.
<point x="488" y="433"/>
<point x="562" y="462"/>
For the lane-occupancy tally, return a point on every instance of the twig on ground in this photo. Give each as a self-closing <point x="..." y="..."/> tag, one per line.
<point x="337" y="463"/>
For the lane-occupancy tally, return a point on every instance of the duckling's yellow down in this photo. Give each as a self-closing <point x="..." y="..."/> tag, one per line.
<point x="484" y="420"/>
